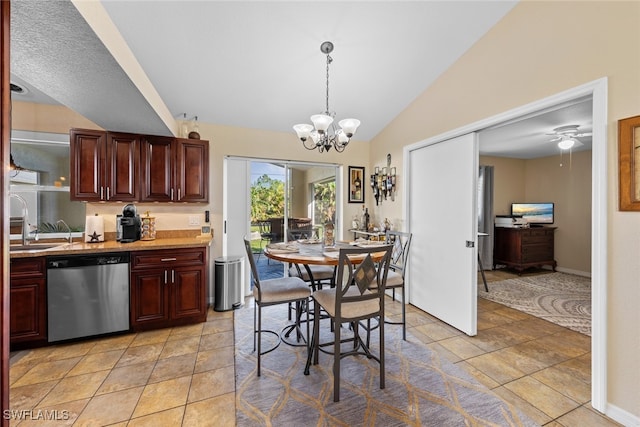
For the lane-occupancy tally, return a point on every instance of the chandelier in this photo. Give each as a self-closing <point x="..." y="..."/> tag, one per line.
<point x="324" y="134"/>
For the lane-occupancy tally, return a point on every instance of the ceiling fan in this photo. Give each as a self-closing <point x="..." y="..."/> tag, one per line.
<point x="566" y="136"/>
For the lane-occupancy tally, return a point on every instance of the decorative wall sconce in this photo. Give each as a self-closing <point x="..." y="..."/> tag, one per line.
<point x="383" y="182"/>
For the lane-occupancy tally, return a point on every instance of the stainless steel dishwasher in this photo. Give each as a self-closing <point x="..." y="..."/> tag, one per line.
<point x="87" y="295"/>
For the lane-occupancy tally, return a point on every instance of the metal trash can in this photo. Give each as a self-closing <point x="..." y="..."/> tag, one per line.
<point x="228" y="287"/>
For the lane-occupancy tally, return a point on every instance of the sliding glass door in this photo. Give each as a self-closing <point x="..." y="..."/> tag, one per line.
<point x="292" y="201"/>
<point x="284" y="201"/>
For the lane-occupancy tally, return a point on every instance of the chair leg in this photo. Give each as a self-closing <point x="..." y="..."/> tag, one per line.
<point x="404" y="315"/>
<point x="316" y="332"/>
<point x="382" y="384"/>
<point x="259" y="336"/>
<point x="310" y="347"/>
<point x="255" y="320"/>
<point x="307" y="308"/>
<point x="336" y="364"/>
<point x="298" y="318"/>
<point x="368" y="332"/>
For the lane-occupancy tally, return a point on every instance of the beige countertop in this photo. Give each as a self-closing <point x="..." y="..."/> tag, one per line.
<point x="61" y="248"/>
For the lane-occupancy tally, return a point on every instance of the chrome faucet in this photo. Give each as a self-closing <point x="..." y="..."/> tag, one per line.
<point x="25" y="218"/>
<point x="70" y="239"/>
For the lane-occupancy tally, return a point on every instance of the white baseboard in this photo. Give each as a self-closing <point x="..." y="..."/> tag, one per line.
<point x="575" y="272"/>
<point x="625" y="418"/>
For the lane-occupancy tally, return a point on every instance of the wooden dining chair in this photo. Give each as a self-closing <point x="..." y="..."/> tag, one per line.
<point x="353" y="299"/>
<point x="268" y="292"/>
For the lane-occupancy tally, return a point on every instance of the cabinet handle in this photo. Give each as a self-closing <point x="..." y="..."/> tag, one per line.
<point x="178" y="194"/>
<point x="172" y="194"/>
<point x="165" y="277"/>
<point x="107" y="193"/>
<point x="167" y="259"/>
<point x="101" y="193"/>
<point x="173" y="276"/>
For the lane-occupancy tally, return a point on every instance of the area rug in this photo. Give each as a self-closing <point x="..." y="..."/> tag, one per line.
<point x="560" y="298"/>
<point x="422" y="389"/>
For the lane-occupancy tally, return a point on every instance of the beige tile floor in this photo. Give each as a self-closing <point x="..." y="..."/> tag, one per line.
<point x="185" y="375"/>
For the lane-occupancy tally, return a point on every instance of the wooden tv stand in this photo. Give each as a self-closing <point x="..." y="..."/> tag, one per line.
<point x="522" y="248"/>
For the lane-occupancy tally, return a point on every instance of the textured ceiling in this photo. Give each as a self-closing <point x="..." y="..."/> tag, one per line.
<point x="257" y="64"/>
<point x="54" y="51"/>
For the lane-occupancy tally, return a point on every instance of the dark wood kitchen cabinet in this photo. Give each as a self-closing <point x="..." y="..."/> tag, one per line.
<point x="28" y="302"/>
<point x="103" y="166"/>
<point x="522" y="248"/>
<point x="123" y="167"/>
<point x="174" y="170"/>
<point x="168" y="288"/>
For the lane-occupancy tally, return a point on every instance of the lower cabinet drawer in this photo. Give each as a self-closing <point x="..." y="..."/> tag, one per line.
<point x="27" y="267"/>
<point x="147" y="259"/>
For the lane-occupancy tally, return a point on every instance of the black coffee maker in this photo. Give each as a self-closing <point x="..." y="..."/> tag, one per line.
<point x="131" y="224"/>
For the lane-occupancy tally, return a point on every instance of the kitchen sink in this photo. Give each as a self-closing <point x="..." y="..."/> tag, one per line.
<point x="34" y="247"/>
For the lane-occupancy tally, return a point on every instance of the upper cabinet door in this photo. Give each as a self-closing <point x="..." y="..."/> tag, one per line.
<point x="122" y="174"/>
<point x="156" y="160"/>
<point x="111" y="166"/>
<point x="87" y="152"/>
<point x="192" y="170"/>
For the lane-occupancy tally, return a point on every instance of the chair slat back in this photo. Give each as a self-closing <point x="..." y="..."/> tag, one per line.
<point x="254" y="269"/>
<point x="356" y="268"/>
<point x="264" y="227"/>
<point x="401" y="242"/>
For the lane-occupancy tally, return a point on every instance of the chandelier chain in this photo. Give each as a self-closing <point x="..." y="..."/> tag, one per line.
<point x="329" y="59"/>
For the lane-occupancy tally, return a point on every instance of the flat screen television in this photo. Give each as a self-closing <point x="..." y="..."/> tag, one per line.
<point x="534" y="213"/>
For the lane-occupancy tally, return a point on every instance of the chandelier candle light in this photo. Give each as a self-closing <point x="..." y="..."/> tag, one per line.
<point x="323" y="134"/>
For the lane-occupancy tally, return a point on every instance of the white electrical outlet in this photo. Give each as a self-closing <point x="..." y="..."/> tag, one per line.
<point x="194" y="220"/>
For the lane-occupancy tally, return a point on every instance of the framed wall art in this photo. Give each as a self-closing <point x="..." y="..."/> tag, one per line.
<point x="629" y="163"/>
<point x="356" y="184"/>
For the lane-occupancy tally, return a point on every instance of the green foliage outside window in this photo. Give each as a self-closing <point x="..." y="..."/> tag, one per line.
<point x="267" y="198"/>
<point x="325" y="202"/>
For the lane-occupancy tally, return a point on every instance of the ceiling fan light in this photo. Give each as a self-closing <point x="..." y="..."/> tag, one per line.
<point x="566" y="143"/>
<point x="321" y="122"/>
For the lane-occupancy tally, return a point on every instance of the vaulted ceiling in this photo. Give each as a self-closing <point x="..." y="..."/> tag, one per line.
<point x="250" y="64"/>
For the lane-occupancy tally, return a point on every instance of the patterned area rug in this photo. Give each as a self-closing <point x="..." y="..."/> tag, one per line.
<point x="422" y="389"/>
<point x="560" y="298"/>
